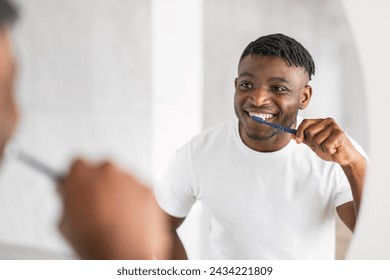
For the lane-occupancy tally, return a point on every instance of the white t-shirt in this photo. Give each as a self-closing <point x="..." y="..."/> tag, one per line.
<point x="277" y="205"/>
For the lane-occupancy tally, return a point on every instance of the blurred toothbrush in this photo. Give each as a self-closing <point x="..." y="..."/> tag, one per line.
<point x="34" y="163"/>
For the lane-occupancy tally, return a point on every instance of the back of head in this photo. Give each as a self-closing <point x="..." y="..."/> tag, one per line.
<point x="284" y="47"/>
<point x="8" y="13"/>
<point x="8" y="106"/>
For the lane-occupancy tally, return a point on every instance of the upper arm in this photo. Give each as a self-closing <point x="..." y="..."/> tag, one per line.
<point x="347" y="214"/>
<point x="176" y="251"/>
<point x="174" y="191"/>
<point x="175" y="222"/>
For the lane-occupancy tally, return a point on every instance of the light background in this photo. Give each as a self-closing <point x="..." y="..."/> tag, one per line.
<point x="133" y="80"/>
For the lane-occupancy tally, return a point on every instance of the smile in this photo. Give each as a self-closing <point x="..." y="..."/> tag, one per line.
<point x="261" y="115"/>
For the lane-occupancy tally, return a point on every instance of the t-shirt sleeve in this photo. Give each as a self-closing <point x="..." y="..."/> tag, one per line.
<point x="174" y="192"/>
<point x="343" y="193"/>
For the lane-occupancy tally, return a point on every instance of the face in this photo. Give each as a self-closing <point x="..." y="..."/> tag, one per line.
<point x="8" y="108"/>
<point x="268" y="87"/>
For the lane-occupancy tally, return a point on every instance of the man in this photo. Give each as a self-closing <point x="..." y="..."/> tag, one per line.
<point x="270" y="194"/>
<point x="108" y="214"/>
<point x="8" y="107"/>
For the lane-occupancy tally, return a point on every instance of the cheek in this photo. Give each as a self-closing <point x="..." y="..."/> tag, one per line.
<point x="14" y="115"/>
<point x="237" y="103"/>
<point x="290" y="105"/>
<point x="239" y="99"/>
<point x="9" y="113"/>
<point x="290" y="114"/>
<point x="8" y="122"/>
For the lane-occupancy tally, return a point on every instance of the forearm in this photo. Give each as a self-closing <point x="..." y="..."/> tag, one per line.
<point x="178" y="252"/>
<point x="355" y="173"/>
<point x="113" y="248"/>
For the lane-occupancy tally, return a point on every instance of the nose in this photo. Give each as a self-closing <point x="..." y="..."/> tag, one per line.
<point x="260" y="96"/>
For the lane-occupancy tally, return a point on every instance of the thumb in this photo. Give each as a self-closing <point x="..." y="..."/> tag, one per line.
<point x="297" y="139"/>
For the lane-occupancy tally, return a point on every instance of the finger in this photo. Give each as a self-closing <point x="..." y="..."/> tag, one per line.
<point x="107" y="170"/>
<point x="293" y="136"/>
<point x="311" y="132"/>
<point x="305" y="124"/>
<point x="319" y="139"/>
<point x="332" y="142"/>
<point x="318" y="134"/>
<point x="78" y="166"/>
<point x="106" y="166"/>
<point x="61" y="187"/>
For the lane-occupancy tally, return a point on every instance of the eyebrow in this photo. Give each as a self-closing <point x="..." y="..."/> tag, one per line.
<point x="271" y="79"/>
<point x="246" y="74"/>
<point x="278" y="79"/>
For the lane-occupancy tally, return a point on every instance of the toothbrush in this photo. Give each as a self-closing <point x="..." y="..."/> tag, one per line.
<point x="34" y="163"/>
<point x="274" y="125"/>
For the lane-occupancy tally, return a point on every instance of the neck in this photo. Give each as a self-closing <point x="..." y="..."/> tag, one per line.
<point x="273" y="143"/>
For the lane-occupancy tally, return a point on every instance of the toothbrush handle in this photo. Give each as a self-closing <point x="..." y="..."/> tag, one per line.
<point x="274" y="125"/>
<point x="289" y="130"/>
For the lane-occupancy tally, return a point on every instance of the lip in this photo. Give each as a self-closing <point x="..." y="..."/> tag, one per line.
<point x="265" y="115"/>
<point x="256" y="125"/>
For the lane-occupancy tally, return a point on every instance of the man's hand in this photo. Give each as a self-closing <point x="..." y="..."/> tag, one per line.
<point x="327" y="140"/>
<point x="109" y="214"/>
<point x="330" y="143"/>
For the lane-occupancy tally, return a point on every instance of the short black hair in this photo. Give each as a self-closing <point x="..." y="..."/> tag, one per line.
<point x="8" y="13"/>
<point x="283" y="47"/>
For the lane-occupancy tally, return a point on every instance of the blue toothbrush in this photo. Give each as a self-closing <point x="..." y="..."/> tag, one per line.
<point x="274" y="125"/>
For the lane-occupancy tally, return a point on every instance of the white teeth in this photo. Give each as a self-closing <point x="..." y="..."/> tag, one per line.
<point x="263" y="116"/>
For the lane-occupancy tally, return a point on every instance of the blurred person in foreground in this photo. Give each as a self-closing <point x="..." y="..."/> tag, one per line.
<point x="108" y="213"/>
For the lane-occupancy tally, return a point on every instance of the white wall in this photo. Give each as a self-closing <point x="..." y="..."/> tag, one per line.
<point x="177" y="95"/>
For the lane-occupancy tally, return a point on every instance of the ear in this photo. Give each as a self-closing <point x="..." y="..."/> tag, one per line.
<point x="305" y="97"/>
<point x="235" y="82"/>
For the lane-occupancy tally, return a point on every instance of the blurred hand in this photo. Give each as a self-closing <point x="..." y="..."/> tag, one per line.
<point x="109" y="214"/>
<point x="327" y="140"/>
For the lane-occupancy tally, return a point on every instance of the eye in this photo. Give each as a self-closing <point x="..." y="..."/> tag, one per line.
<point x="245" y="85"/>
<point x="280" y="90"/>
